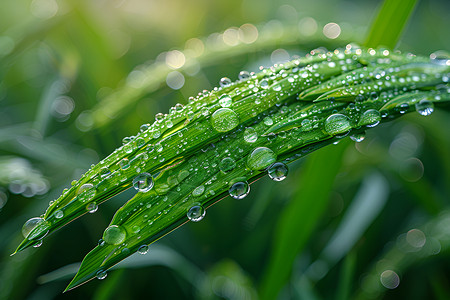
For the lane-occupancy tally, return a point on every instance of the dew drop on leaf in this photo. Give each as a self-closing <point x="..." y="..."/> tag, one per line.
<point x="196" y="213"/>
<point x="58" y="214"/>
<point x="370" y="118"/>
<point x="225" y="81"/>
<point x="227" y="164"/>
<point x="92" y="207"/>
<point x="30" y="225"/>
<point x="358" y="137"/>
<point x="337" y="124"/>
<point x="225" y="100"/>
<point x="198" y="191"/>
<point x="143" y="249"/>
<point x="260" y="158"/>
<point x="239" y="190"/>
<point x="278" y="171"/>
<point x="243" y="75"/>
<point x="143" y="182"/>
<point x="114" y="235"/>
<point x="101" y="274"/>
<point x="250" y="135"/>
<point x="425" y="107"/>
<point x="224" y="119"/>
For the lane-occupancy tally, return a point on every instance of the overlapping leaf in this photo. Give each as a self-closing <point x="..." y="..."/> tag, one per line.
<point x="221" y="140"/>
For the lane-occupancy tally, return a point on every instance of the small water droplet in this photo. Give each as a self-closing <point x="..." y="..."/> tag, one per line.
<point x="268" y="121"/>
<point x="92" y="207"/>
<point x="196" y="213"/>
<point x="159" y="117"/>
<point x="358" y="137"/>
<point x="260" y="158"/>
<point x="278" y="171"/>
<point x="198" y="191"/>
<point x="225" y="81"/>
<point x="224" y="119"/>
<point x="227" y="164"/>
<point x="101" y="274"/>
<point x="37" y="244"/>
<point x="144" y="127"/>
<point x="402" y="108"/>
<point x="277" y="87"/>
<point x="243" y="75"/>
<point x="143" y="249"/>
<point x="225" y="100"/>
<point x="250" y="135"/>
<point x="425" y="107"/>
<point x="58" y="214"/>
<point x="124" y="164"/>
<point x="264" y="84"/>
<point x="114" y="235"/>
<point x="239" y="190"/>
<point x="337" y="124"/>
<point x="32" y="224"/>
<point x="143" y="182"/>
<point x="370" y="118"/>
<point x="104" y="171"/>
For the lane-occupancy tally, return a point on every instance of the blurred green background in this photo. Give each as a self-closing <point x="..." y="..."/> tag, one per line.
<point x="77" y="76"/>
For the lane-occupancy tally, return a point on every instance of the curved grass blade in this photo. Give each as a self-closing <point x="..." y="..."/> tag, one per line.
<point x="214" y="146"/>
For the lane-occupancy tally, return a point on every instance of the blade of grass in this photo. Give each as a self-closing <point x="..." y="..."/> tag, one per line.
<point x="389" y="23"/>
<point x="346" y="278"/>
<point x="299" y="219"/>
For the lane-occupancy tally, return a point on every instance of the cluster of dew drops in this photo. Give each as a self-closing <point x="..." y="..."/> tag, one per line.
<point x="223" y="120"/>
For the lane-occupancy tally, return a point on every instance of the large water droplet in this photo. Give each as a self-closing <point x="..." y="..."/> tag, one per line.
<point x="225" y="100"/>
<point x="337" y="124"/>
<point x="143" y="182"/>
<point x="33" y="223"/>
<point x="114" y="235"/>
<point x="104" y="171"/>
<point x="268" y="121"/>
<point x="227" y="164"/>
<point x="250" y="135"/>
<point x="239" y="190"/>
<point x="124" y="164"/>
<point x="264" y="84"/>
<point x="277" y="87"/>
<point x="101" y="274"/>
<point x="370" y="118"/>
<point x="425" y="107"/>
<point x="143" y="249"/>
<point x="196" y="213"/>
<point x="261" y="158"/>
<point x="402" y="107"/>
<point x="278" y="171"/>
<point x="224" y="119"/>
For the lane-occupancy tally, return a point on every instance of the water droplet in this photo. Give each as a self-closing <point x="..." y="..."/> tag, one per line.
<point x="143" y="182"/>
<point x="277" y="87"/>
<point x="124" y="164"/>
<point x="143" y="249"/>
<point x="136" y="228"/>
<point x="306" y="125"/>
<point x="225" y="100"/>
<point x="92" y="207"/>
<point x="104" y="171"/>
<point x="198" y="191"/>
<point x="224" y="119"/>
<point x="225" y="81"/>
<point x="261" y="158"/>
<point x="402" y="108"/>
<point x="250" y="135"/>
<point x="101" y="242"/>
<point x="179" y="107"/>
<point x="159" y="117"/>
<point x="227" y="164"/>
<point x="243" y="75"/>
<point x="158" y="147"/>
<point x="31" y="225"/>
<point x="278" y="171"/>
<point x="239" y="190"/>
<point x="196" y="213"/>
<point x="101" y="274"/>
<point x="183" y="174"/>
<point x="337" y="124"/>
<point x="370" y="118"/>
<point x="358" y="137"/>
<point x="268" y="121"/>
<point x="37" y="244"/>
<point x="114" y="235"/>
<point x="58" y="214"/>
<point x="144" y="127"/>
<point x="264" y="84"/>
<point x="425" y="107"/>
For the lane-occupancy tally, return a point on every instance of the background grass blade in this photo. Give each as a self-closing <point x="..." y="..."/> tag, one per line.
<point x="301" y="216"/>
<point x="389" y="23"/>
